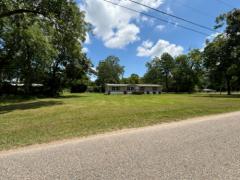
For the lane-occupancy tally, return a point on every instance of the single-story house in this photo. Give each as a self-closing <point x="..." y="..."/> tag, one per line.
<point x="133" y="88"/>
<point x="208" y="90"/>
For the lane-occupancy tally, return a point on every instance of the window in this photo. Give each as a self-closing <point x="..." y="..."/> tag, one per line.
<point x="154" y="89"/>
<point x="142" y="89"/>
<point x="130" y="88"/>
<point x="115" y="88"/>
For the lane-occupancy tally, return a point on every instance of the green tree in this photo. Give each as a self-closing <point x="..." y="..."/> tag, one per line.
<point x="218" y="59"/>
<point x="45" y="8"/>
<point x="25" y="52"/>
<point x="231" y="22"/>
<point x="76" y="70"/>
<point x="183" y="74"/>
<point x="41" y="41"/>
<point x="166" y="66"/>
<point x="153" y="74"/>
<point x="134" y="79"/>
<point x="160" y="70"/>
<point x="195" y="57"/>
<point x="109" y="71"/>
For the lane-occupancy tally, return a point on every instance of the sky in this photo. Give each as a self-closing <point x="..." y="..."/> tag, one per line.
<point x="136" y="38"/>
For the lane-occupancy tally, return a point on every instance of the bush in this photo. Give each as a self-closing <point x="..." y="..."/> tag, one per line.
<point x="138" y="93"/>
<point x="7" y="88"/>
<point x="78" y="88"/>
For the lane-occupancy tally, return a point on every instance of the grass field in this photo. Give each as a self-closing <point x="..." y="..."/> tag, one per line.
<point x="29" y="121"/>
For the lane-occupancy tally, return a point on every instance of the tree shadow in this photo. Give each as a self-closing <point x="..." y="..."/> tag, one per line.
<point x="27" y="106"/>
<point x="15" y="99"/>
<point x="218" y="96"/>
<point x="70" y="96"/>
<point x="22" y="99"/>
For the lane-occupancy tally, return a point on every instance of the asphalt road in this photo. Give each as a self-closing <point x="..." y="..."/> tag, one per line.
<point x="205" y="148"/>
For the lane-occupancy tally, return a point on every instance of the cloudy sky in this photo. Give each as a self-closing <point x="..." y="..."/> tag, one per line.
<point x="136" y="38"/>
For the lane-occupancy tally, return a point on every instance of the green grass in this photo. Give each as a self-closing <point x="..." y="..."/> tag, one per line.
<point x="29" y="121"/>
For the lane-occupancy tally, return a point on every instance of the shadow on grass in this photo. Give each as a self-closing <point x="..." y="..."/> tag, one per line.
<point x="22" y="99"/>
<point x="218" y="96"/>
<point x="27" y="106"/>
<point x="70" y="96"/>
<point x="15" y="99"/>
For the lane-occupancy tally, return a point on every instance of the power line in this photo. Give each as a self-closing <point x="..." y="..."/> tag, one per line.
<point x="159" y="19"/>
<point x="171" y="15"/>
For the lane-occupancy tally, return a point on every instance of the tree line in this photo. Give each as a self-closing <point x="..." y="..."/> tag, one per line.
<point x="180" y="74"/>
<point x="216" y="67"/>
<point x="41" y="49"/>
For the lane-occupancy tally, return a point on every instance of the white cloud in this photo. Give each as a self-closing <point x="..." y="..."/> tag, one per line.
<point x="144" y="18"/>
<point x="147" y="20"/>
<point x="209" y="38"/>
<point x="147" y="44"/>
<point x="88" y="40"/>
<point x="85" y="50"/>
<point x="149" y="49"/>
<point x="109" y="21"/>
<point x="212" y="36"/>
<point x="160" y="27"/>
<point x="123" y="37"/>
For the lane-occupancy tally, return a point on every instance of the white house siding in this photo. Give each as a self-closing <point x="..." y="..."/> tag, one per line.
<point x="130" y="88"/>
<point x="115" y="89"/>
<point x="150" y="90"/>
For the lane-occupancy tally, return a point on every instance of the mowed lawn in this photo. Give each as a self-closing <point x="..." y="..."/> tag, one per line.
<point x="25" y="122"/>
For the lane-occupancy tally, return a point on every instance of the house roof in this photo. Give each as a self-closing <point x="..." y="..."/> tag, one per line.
<point x="21" y="84"/>
<point x="148" y="85"/>
<point x="122" y="85"/>
<point x="138" y="85"/>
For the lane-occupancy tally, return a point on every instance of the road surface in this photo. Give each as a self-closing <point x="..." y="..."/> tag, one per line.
<point x="203" y="148"/>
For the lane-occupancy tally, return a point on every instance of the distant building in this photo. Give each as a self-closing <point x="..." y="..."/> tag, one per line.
<point x="208" y="90"/>
<point x="133" y="88"/>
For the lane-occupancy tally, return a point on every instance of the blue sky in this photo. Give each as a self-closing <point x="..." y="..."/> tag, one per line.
<point x="136" y="39"/>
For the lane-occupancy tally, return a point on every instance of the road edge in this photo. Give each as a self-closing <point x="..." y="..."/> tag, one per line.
<point x="171" y="124"/>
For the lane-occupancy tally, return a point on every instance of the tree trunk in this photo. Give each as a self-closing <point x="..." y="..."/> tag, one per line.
<point x="28" y="73"/>
<point x="166" y="83"/>
<point x="1" y="77"/>
<point x="228" y="86"/>
<point x="28" y="80"/>
<point x="54" y="81"/>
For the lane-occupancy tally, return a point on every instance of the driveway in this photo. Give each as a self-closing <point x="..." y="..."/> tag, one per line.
<point x="201" y="148"/>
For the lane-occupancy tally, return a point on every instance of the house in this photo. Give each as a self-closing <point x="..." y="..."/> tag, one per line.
<point x="133" y="88"/>
<point x="208" y="90"/>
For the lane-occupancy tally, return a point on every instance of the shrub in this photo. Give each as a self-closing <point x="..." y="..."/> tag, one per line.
<point x="78" y="88"/>
<point x="138" y="93"/>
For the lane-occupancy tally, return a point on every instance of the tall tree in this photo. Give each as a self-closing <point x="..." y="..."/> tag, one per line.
<point x="134" y="79"/>
<point x="153" y="74"/>
<point x="41" y="36"/>
<point x="160" y="70"/>
<point x="195" y="58"/>
<point x="183" y="74"/>
<point x="109" y="71"/>
<point x="166" y="66"/>
<point x="231" y="22"/>
<point x="45" y="8"/>
<point x="218" y="59"/>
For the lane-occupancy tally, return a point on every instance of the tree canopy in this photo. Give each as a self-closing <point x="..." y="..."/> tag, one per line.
<point x="109" y="71"/>
<point x="222" y="55"/>
<point x="178" y="74"/>
<point x="41" y="42"/>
